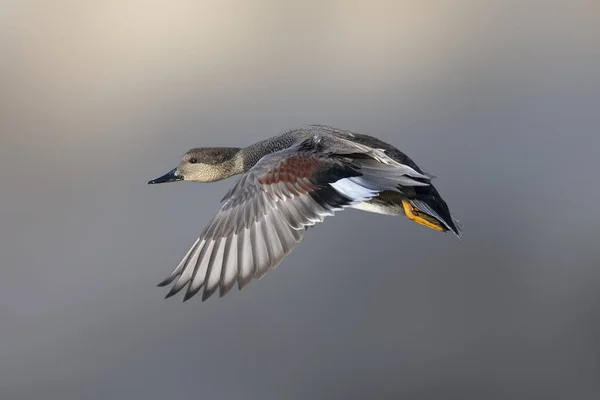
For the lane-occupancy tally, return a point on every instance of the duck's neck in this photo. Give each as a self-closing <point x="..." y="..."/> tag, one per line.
<point x="247" y="157"/>
<point x="236" y="163"/>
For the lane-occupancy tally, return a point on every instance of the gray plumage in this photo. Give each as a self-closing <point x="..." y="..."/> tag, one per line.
<point x="288" y="183"/>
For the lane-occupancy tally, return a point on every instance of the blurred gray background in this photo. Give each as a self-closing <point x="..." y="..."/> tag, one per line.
<point x="499" y="99"/>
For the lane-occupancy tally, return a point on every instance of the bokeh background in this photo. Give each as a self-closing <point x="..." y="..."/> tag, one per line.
<point x="499" y="99"/>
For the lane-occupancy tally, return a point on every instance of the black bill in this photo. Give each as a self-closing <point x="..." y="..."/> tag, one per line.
<point x="171" y="176"/>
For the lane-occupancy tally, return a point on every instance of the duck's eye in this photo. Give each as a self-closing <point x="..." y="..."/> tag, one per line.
<point x="193" y="161"/>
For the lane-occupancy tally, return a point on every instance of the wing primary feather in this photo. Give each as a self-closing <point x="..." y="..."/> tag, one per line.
<point x="245" y="261"/>
<point x="263" y="252"/>
<point x="274" y="246"/>
<point x="256" y="250"/>
<point x="188" y="270"/>
<point x="200" y="271"/>
<point x="311" y="210"/>
<point x="284" y="232"/>
<point x="177" y="271"/>
<point x="229" y="268"/>
<point x="268" y="238"/>
<point x="295" y="208"/>
<point x="213" y="274"/>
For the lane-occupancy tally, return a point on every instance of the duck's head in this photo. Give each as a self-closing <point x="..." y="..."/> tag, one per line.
<point x="207" y="164"/>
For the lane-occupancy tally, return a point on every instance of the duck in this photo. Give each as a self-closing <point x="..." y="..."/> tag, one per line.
<point x="288" y="184"/>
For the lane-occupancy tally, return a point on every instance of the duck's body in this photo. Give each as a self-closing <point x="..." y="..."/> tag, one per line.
<point x="290" y="182"/>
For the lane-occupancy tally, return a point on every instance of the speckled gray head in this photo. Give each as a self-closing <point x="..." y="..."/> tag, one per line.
<point x="207" y="164"/>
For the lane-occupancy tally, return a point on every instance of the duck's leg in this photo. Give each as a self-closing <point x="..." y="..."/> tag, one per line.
<point x="394" y="203"/>
<point x="421" y="218"/>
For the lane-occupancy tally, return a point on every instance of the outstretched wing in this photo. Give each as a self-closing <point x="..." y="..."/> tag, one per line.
<point x="265" y="214"/>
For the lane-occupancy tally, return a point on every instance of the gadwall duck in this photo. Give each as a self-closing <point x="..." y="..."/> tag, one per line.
<point x="289" y="183"/>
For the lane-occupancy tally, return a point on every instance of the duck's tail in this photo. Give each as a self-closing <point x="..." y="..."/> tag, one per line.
<point x="429" y="209"/>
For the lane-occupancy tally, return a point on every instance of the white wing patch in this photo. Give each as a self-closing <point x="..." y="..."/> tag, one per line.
<point x="352" y="190"/>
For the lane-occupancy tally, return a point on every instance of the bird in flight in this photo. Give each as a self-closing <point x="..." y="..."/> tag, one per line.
<point x="288" y="183"/>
